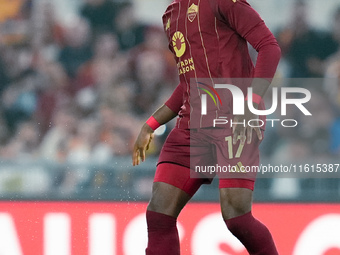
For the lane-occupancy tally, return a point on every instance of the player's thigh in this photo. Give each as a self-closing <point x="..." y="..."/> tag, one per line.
<point x="237" y="183"/>
<point x="235" y="202"/>
<point x="167" y="199"/>
<point x="172" y="188"/>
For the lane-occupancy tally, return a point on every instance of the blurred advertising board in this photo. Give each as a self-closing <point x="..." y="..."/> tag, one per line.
<point x="111" y="228"/>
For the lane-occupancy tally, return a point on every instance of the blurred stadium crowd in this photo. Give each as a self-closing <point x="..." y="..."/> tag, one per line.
<point x="79" y="93"/>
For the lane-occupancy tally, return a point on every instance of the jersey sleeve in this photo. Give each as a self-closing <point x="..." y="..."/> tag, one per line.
<point x="175" y="101"/>
<point x="246" y="22"/>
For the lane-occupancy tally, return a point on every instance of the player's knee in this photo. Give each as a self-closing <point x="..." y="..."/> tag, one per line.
<point x="235" y="202"/>
<point x="234" y="210"/>
<point x="159" y="201"/>
<point x="161" y="204"/>
<point x="167" y="199"/>
<point x="154" y="206"/>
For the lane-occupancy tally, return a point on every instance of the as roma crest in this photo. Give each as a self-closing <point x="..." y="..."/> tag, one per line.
<point x="192" y="12"/>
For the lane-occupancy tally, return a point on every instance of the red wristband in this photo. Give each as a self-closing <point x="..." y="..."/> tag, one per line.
<point x="153" y="123"/>
<point x="256" y="98"/>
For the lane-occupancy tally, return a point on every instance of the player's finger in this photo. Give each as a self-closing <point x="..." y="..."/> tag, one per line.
<point x="259" y="133"/>
<point x="148" y="145"/>
<point x="243" y="136"/>
<point x="138" y="158"/>
<point x="249" y="134"/>
<point x="234" y="125"/>
<point x="142" y="154"/>
<point x="134" y="156"/>
<point x="235" y="135"/>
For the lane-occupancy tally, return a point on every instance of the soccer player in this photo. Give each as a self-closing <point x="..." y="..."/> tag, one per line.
<point x="209" y="40"/>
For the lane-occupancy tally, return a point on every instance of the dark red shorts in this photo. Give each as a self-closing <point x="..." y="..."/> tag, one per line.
<point x="205" y="153"/>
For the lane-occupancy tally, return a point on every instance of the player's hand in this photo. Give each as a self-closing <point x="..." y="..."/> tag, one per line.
<point x="245" y="132"/>
<point x="142" y="144"/>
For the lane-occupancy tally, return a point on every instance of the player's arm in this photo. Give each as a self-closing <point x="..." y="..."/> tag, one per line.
<point x="164" y="114"/>
<point x="160" y="117"/>
<point x="248" y="24"/>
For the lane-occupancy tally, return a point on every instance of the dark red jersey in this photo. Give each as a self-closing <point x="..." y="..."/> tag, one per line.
<point x="209" y="40"/>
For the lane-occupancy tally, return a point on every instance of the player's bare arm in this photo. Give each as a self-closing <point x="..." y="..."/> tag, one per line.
<point x="146" y="134"/>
